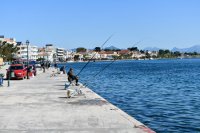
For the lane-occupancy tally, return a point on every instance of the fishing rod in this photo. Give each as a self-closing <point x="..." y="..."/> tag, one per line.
<point x="94" y="54"/>
<point x="102" y="70"/>
<point x="137" y="43"/>
<point x="109" y="64"/>
<point x="113" y="61"/>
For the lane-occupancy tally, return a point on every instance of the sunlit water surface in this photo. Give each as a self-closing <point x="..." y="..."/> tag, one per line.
<point x="162" y="94"/>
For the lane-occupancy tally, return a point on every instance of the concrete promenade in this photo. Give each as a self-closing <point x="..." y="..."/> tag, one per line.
<point x="40" y="104"/>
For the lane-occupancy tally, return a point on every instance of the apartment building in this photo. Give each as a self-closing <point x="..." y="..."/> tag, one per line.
<point x="60" y="52"/>
<point x="42" y="54"/>
<point x="68" y="54"/>
<point x="22" y="52"/>
<point x="50" y="51"/>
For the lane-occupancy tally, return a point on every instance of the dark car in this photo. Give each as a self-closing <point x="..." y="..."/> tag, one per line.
<point x="38" y="65"/>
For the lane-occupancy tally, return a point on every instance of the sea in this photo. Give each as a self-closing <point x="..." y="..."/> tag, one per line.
<point x="162" y="94"/>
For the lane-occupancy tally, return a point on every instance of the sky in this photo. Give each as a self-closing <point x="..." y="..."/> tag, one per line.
<point x="88" y="23"/>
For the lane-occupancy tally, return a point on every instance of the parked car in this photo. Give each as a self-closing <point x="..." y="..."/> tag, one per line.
<point x="16" y="71"/>
<point x="37" y="65"/>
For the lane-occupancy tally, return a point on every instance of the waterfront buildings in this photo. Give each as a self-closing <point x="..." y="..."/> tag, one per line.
<point x="51" y="53"/>
<point x="47" y="53"/>
<point x="22" y="52"/>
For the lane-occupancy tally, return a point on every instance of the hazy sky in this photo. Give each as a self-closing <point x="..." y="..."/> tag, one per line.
<point x="88" y="23"/>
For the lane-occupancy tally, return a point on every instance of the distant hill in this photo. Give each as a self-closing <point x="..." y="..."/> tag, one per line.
<point x="152" y="49"/>
<point x="195" y="48"/>
<point x="112" y="48"/>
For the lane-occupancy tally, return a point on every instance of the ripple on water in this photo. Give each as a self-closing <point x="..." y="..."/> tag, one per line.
<point x="163" y="94"/>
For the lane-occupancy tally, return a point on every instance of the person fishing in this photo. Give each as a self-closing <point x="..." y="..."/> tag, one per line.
<point x="70" y="74"/>
<point x="72" y="77"/>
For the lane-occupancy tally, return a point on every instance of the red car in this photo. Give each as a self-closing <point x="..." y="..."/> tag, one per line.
<point x="17" y="71"/>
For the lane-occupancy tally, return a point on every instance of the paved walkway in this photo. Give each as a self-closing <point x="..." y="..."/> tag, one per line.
<point x="40" y="104"/>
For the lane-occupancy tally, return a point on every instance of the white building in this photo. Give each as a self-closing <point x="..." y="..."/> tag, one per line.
<point x="33" y="52"/>
<point x="93" y="55"/>
<point x="68" y="54"/>
<point x="50" y="52"/>
<point x="137" y="54"/>
<point x="60" y="54"/>
<point x="22" y="52"/>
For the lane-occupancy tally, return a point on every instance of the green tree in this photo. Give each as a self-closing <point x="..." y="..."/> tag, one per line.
<point x="147" y="55"/>
<point x="195" y="53"/>
<point x="80" y="49"/>
<point x="76" y="57"/>
<point x="133" y="49"/>
<point x="177" y="53"/>
<point x="97" y="49"/>
<point x="164" y="53"/>
<point x="7" y="51"/>
<point x="107" y="50"/>
<point x="142" y="51"/>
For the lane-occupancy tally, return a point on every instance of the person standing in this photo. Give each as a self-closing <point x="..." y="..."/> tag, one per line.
<point x="48" y="65"/>
<point x="43" y="67"/>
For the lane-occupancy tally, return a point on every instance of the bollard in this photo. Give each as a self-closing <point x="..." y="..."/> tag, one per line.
<point x="9" y="79"/>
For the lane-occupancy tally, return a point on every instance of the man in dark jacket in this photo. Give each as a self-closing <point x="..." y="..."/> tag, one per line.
<point x="72" y="77"/>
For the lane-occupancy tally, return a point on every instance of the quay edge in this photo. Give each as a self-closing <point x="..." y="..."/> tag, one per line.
<point x="40" y="105"/>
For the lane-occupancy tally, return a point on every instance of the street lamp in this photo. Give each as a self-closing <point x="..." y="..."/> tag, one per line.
<point x="27" y="73"/>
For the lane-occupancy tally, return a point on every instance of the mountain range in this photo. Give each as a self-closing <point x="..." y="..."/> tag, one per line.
<point x="112" y="48"/>
<point x="195" y="48"/>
